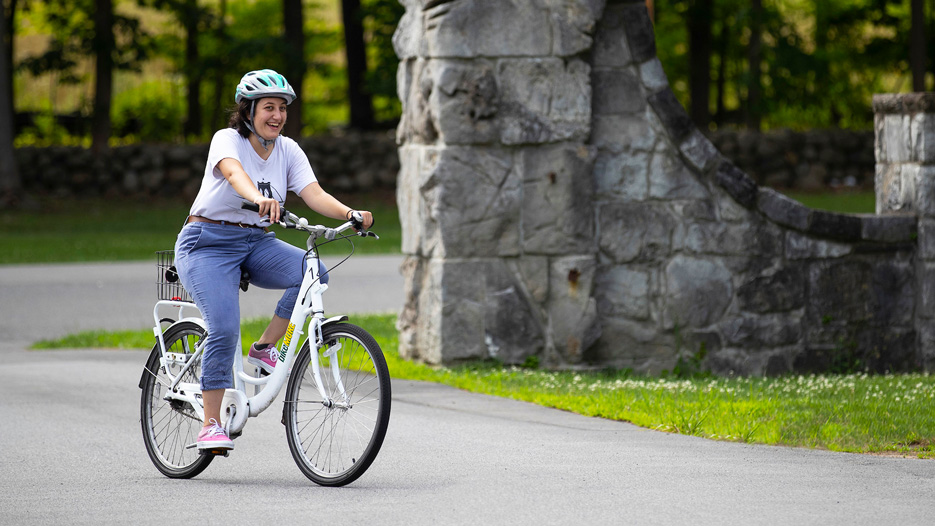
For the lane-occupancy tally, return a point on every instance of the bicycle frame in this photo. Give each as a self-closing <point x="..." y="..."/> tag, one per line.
<point x="237" y="407"/>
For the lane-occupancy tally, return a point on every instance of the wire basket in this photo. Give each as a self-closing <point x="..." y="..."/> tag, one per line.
<point x="168" y="286"/>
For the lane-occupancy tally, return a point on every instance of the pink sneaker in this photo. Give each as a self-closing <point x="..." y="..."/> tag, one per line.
<point x="263" y="357"/>
<point x="214" y="437"/>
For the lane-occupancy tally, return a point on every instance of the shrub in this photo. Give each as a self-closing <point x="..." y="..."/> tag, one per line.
<point x="149" y="112"/>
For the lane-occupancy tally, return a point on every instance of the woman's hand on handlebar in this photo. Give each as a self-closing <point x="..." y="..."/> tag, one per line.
<point x="368" y="218"/>
<point x="269" y="207"/>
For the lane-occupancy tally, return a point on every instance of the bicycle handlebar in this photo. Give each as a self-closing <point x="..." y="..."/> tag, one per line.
<point x="290" y="220"/>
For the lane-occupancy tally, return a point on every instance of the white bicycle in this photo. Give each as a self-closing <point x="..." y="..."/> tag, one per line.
<point x="337" y="404"/>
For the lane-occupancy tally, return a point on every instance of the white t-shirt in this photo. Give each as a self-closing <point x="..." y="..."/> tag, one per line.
<point x="287" y="169"/>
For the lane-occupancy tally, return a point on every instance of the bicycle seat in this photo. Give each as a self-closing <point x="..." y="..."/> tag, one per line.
<point x="244" y="279"/>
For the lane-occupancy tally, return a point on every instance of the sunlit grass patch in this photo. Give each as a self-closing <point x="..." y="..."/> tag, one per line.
<point x="854" y="413"/>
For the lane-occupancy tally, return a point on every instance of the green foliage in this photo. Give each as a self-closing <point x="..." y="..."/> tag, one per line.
<point x="325" y="95"/>
<point x="691" y="366"/>
<point x="822" y="61"/>
<point x="381" y="19"/>
<point x="688" y="364"/>
<point x="149" y="113"/>
<point x="46" y="131"/>
<point x="71" y="28"/>
<point x="531" y="362"/>
<point x="846" y="359"/>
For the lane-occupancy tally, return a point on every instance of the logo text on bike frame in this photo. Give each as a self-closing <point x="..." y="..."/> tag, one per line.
<point x="286" y="341"/>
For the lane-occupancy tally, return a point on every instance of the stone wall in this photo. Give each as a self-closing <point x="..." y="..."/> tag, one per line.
<point x="350" y="161"/>
<point x="557" y="202"/>
<point x="812" y="160"/>
<point x="343" y="161"/>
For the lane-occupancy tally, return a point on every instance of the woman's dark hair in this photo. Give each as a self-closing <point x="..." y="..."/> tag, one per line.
<point x="240" y="116"/>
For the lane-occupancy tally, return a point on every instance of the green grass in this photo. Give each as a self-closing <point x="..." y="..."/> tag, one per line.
<point x="856" y="413"/>
<point x="846" y="202"/>
<point x="121" y="230"/>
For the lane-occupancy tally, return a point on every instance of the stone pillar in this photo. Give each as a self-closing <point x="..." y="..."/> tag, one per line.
<point x="495" y="188"/>
<point x="553" y="194"/>
<point x="905" y="183"/>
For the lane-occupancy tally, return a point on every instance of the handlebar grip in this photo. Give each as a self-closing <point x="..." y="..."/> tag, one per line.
<point x="250" y="206"/>
<point x="357" y="219"/>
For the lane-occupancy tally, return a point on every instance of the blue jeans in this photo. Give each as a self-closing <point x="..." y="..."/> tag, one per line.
<point x="209" y="259"/>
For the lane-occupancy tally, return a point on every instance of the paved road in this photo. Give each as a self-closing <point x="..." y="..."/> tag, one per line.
<point x="71" y="453"/>
<point x="120" y="296"/>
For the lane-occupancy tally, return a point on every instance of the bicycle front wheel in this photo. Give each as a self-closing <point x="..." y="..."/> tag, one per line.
<point x="334" y="441"/>
<point x="169" y="426"/>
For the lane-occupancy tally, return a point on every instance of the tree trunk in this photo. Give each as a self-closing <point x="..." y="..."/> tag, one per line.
<point x="193" y="125"/>
<point x="9" y="23"/>
<point x="720" y="113"/>
<point x="104" y="72"/>
<point x="822" y="68"/>
<point x="295" y="63"/>
<point x="10" y="183"/>
<point x="220" y="94"/>
<point x="699" y="41"/>
<point x="917" y="46"/>
<point x="754" y="60"/>
<point x="357" y="94"/>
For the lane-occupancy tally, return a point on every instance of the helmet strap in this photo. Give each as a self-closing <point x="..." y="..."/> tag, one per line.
<point x="265" y="143"/>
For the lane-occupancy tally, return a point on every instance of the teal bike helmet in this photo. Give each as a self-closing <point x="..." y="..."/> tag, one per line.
<point x="258" y="84"/>
<point x="264" y="83"/>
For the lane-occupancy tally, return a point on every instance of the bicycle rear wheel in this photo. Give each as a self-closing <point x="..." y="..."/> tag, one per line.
<point x="333" y="446"/>
<point x="169" y="425"/>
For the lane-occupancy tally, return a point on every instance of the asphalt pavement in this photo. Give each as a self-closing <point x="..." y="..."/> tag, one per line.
<point x="71" y="451"/>
<point x="51" y="301"/>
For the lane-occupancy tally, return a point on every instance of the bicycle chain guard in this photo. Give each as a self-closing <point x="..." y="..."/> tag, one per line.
<point x="234" y="411"/>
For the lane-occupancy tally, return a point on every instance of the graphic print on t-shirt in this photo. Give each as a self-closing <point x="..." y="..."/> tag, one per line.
<point x="265" y="188"/>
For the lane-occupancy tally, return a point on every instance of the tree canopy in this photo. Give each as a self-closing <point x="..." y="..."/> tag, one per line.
<point x="733" y="63"/>
<point x="816" y="64"/>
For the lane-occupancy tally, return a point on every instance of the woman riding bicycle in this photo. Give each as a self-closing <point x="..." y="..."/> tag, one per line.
<point x="249" y="161"/>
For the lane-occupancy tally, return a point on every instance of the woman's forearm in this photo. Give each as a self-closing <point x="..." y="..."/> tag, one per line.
<point x="238" y="178"/>
<point x="324" y="203"/>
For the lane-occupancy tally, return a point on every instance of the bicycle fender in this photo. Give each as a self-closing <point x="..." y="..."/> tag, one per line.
<point x="195" y="320"/>
<point x="152" y="362"/>
<point x="333" y="319"/>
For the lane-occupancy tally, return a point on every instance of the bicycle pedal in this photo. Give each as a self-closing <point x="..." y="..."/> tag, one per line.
<point x="215" y="452"/>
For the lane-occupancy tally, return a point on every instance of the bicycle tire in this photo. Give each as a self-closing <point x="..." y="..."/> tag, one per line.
<point x="170" y="426"/>
<point x="333" y="446"/>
